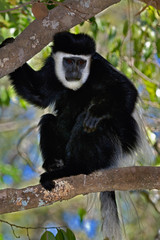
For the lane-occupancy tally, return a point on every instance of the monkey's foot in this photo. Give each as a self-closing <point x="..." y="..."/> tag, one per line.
<point x="6" y="41"/>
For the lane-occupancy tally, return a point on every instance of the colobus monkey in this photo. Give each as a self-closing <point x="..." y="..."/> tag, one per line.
<point x="93" y="127"/>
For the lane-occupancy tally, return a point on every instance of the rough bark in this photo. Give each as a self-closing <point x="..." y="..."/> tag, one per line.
<point x="133" y="178"/>
<point x="40" y="32"/>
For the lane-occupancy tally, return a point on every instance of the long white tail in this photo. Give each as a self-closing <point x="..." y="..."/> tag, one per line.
<point x="111" y="227"/>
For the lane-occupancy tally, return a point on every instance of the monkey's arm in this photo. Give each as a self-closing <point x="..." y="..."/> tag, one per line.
<point x="111" y="107"/>
<point x="37" y="87"/>
<point x="115" y="95"/>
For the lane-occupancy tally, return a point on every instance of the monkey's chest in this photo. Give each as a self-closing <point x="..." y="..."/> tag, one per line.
<point x="72" y="103"/>
<point x="68" y="111"/>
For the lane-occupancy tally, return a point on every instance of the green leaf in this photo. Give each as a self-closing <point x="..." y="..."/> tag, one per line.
<point x="70" y="235"/>
<point x="82" y="212"/>
<point x="158" y="161"/>
<point x="82" y="23"/>
<point x="92" y="19"/>
<point x="118" y="46"/>
<point x="112" y="33"/>
<point x="51" y="6"/>
<point x="76" y="29"/>
<point x="4" y="96"/>
<point x="23" y="103"/>
<point x="148" y="52"/>
<point x="4" y="5"/>
<point x="113" y="59"/>
<point x="136" y="32"/>
<point x="137" y="47"/>
<point x="158" y="47"/>
<point x="94" y="29"/>
<point x="126" y="69"/>
<point x="60" y="235"/>
<point x="151" y="88"/>
<point x="125" y="28"/>
<point x="48" y="236"/>
<point x="7" y="169"/>
<point x="65" y="237"/>
<point x="1" y="236"/>
<point x="16" y="32"/>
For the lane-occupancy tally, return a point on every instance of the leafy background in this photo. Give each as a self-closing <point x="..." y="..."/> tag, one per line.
<point x="130" y="40"/>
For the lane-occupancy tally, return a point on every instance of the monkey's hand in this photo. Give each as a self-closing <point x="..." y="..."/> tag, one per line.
<point x="90" y="122"/>
<point x="6" y="41"/>
<point x="95" y="114"/>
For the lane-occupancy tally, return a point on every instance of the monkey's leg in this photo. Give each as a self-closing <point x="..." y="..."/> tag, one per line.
<point x="46" y="178"/>
<point x="51" y="144"/>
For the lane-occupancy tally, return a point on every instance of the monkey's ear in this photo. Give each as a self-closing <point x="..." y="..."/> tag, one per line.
<point x="6" y="41"/>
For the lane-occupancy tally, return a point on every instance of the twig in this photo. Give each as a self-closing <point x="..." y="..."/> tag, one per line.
<point x="20" y="6"/>
<point x="29" y="3"/>
<point x="152" y="104"/>
<point x="144" y="8"/>
<point x="154" y="3"/>
<point x="23" y="154"/>
<point x="8" y="126"/>
<point x="28" y="234"/>
<point x="29" y="228"/>
<point x="146" y="195"/>
<point x="155" y="119"/>
<point x="14" y="231"/>
<point x="136" y="70"/>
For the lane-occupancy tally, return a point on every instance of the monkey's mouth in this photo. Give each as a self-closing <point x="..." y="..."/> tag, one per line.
<point x="73" y="76"/>
<point x="73" y="79"/>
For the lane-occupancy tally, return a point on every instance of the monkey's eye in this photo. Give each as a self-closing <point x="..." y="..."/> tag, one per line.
<point x="81" y="62"/>
<point x="69" y="60"/>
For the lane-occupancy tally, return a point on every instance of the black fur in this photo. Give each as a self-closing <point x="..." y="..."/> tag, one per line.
<point x="94" y="124"/>
<point x="79" y="44"/>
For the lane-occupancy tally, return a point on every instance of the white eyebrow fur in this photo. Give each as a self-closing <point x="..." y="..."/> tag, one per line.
<point x="74" y="85"/>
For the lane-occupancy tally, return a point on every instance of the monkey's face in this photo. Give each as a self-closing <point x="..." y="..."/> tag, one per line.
<point x="72" y="70"/>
